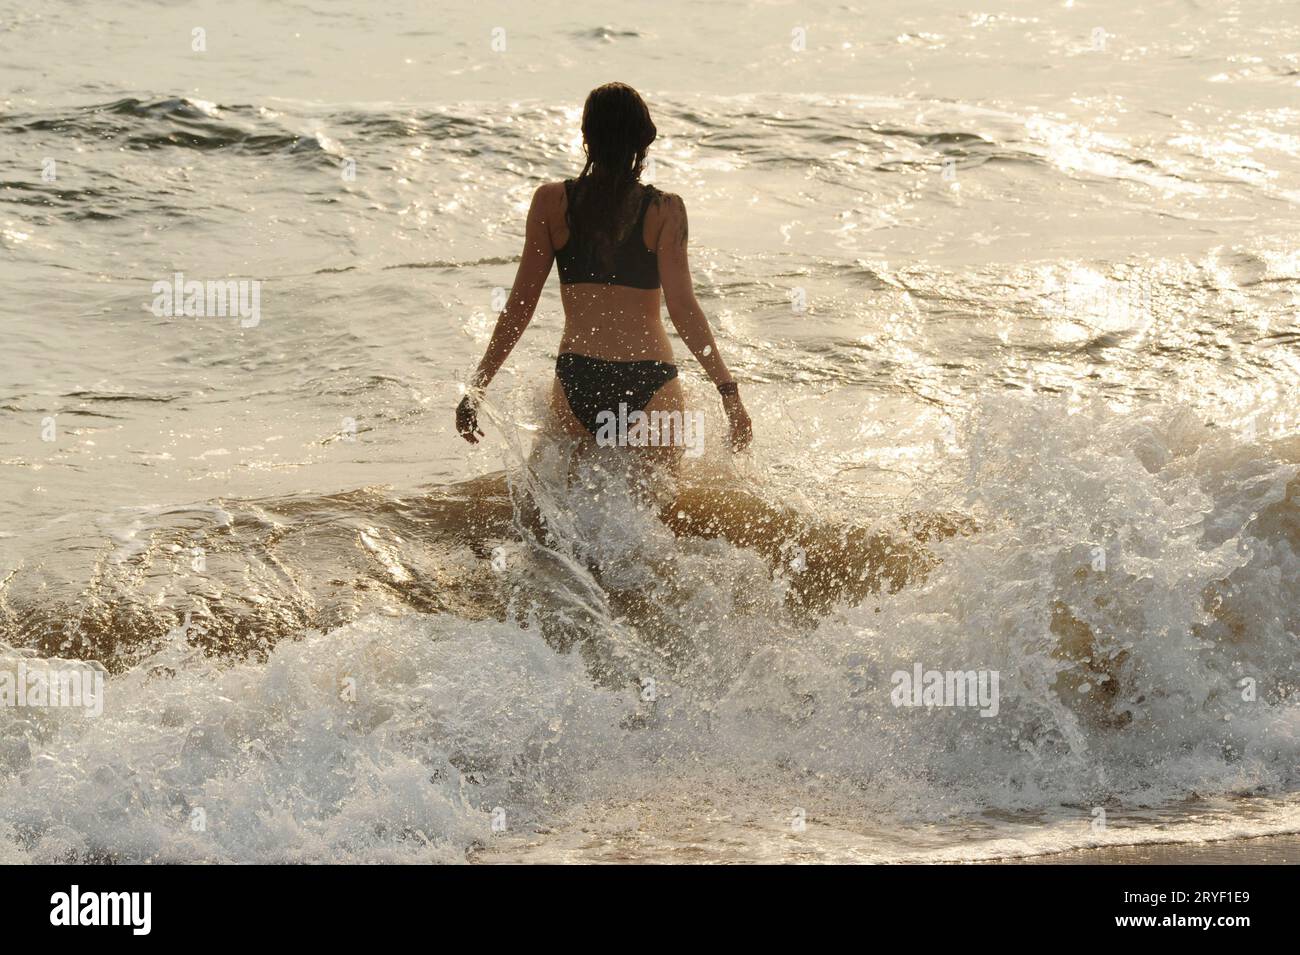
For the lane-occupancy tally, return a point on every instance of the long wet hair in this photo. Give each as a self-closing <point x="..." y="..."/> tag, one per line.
<point x="617" y="130"/>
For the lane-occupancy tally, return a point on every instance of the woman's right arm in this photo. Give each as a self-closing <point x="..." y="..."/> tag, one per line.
<point x="534" y="268"/>
<point x="688" y="318"/>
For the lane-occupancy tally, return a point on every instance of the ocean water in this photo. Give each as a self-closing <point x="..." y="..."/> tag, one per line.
<point x="1012" y="294"/>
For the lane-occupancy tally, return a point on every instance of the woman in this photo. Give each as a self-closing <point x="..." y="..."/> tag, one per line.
<point x="617" y="242"/>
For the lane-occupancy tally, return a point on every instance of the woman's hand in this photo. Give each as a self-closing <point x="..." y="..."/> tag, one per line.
<point x="742" y="432"/>
<point x="467" y="420"/>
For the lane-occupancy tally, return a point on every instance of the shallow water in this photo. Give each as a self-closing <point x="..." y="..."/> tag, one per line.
<point x="988" y="273"/>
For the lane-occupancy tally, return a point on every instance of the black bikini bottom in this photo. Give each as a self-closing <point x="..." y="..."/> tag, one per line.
<point x="593" y="385"/>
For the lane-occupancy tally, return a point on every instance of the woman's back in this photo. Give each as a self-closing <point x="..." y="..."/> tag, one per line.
<point x="611" y="289"/>
<point x="622" y="256"/>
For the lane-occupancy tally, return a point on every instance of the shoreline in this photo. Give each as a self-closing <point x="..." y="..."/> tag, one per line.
<point x="1258" y="850"/>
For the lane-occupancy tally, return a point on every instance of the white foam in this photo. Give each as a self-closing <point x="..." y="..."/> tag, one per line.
<point x="714" y="696"/>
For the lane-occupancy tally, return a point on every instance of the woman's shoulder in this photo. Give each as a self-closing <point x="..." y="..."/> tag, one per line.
<point x="667" y="204"/>
<point x="550" y="196"/>
<point x="552" y="189"/>
<point x="658" y="197"/>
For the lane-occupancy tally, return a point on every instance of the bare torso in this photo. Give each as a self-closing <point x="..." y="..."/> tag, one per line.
<point x="613" y="322"/>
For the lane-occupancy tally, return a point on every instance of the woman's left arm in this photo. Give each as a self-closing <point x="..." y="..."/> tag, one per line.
<point x="534" y="269"/>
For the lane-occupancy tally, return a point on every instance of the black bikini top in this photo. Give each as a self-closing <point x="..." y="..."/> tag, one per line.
<point x="632" y="265"/>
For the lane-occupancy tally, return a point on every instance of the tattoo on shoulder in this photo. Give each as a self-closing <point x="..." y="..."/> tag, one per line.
<point x="671" y="202"/>
<point x="679" y="206"/>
